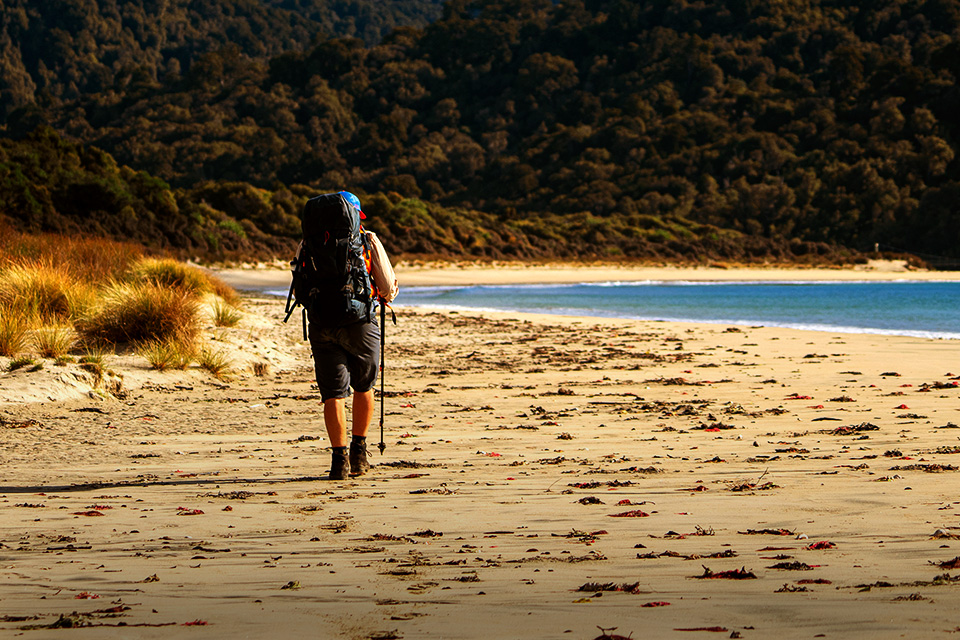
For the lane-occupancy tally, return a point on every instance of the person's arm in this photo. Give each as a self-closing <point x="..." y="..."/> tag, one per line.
<point x="381" y="270"/>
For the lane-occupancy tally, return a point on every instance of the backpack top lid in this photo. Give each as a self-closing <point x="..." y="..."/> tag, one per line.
<point x="355" y="201"/>
<point x="328" y="214"/>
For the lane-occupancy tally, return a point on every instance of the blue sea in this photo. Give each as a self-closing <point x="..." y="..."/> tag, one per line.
<point x="922" y="309"/>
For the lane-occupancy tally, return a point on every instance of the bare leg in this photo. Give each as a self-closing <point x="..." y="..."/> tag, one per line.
<point x="335" y="419"/>
<point x="362" y="412"/>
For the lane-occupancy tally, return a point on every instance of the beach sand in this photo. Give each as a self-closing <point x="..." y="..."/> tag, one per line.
<point x="458" y="274"/>
<point x="544" y="476"/>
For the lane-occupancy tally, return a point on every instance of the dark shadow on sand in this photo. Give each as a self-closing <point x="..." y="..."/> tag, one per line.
<point x="97" y="486"/>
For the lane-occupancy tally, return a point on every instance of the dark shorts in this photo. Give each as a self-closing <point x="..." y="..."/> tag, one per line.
<point x="345" y="357"/>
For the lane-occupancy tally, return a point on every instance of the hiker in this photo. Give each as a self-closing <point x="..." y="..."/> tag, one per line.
<point x="343" y="330"/>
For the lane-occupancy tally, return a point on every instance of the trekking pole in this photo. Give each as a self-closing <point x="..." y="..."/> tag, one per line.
<point x="383" y="342"/>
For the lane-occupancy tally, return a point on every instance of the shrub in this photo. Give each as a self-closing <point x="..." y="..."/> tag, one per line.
<point x="143" y="312"/>
<point x="216" y="362"/>
<point x="167" y="354"/>
<point x="233" y="226"/>
<point x="55" y="341"/>
<point x="261" y="369"/>
<point x="225" y="315"/>
<point x="13" y="331"/>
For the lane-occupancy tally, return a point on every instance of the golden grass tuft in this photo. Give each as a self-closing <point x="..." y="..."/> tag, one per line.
<point x="13" y="331"/>
<point x="224" y="315"/>
<point x="171" y="273"/>
<point x="99" y="259"/>
<point x="111" y="294"/>
<point x="84" y="300"/>
<point x="86" y="259"/>
<point x="216" y="361"/>
<point x="167" y="354"/>
<point x="142" y="312"/>
<point x="44" y="293"/>
<point x="223" y="290"/>
<point x="94" y="356"/>
<point x="54" y="341"/>
<point x="167" y="272"/>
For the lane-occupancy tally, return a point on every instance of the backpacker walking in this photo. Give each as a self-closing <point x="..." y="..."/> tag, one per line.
<point x="340" y="274"/>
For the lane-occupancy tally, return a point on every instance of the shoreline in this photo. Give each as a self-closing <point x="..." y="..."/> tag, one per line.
<point x="464" y="275"/>
<point x="510" y="273"/>
<point x="540" y="316"/>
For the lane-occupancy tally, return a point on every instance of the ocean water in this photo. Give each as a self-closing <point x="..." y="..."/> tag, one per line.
<point x="923" y="309"/>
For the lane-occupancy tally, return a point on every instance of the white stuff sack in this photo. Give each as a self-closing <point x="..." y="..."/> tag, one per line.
<point x="381" y="270"/>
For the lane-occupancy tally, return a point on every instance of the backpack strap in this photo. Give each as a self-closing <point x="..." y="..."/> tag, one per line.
<point x="374" y="295"/>
<point x="289" y="308"/>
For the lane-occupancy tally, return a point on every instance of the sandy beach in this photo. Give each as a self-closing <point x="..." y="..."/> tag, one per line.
<point x="410" y="275"/>
<point x="544" y="477"/>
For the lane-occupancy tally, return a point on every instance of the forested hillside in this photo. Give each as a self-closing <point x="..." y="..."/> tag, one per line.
<point x="50" y="185"/>
<point x="582" y="127"/>
<point x="53" y="50"/>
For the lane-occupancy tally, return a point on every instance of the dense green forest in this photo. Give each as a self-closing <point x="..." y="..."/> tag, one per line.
<point x="58" y="50"/>
<point x="530" y="128"/>
<point x="52" y="185"/>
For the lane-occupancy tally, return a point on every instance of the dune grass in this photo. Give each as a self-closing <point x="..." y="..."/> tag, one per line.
<point x="44" y="293"/>
<point x="94" y="361"/>
<point x="13" y="331"/>
<point x="171" y="273"/>
<point x="58" y="292"/>
<point x="142" y="312"/>
<point x="225" y="315"/>
<point x="215" y="361"/>
<point x="86" y="259"/>
<point x="54" y="341"/>
<point x="94" y="356"/>
<point x="164" y="355"/>
<point x="21" y="362"/>
<point x="224" y="291"/>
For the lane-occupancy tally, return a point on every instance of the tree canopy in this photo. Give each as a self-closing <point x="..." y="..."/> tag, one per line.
<point x="796" y="124"/>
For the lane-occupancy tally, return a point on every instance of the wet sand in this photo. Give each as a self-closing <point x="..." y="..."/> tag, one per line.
<point x="543" y="477"/>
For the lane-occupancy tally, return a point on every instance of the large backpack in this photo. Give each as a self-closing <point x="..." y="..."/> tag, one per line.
<point x="330" y="277"/>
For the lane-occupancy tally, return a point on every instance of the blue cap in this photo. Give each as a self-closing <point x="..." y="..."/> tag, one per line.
<point x="355" y="201"/>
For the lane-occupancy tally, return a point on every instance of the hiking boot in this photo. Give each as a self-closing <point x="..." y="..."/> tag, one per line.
<point x="359" y="464"/>
<point x="340" y="467"/>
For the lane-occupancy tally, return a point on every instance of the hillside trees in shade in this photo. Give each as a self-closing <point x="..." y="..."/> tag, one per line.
<point x="822" y="121"/>
<point x="48" y="184"/>
<point x="53" y="50"/>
